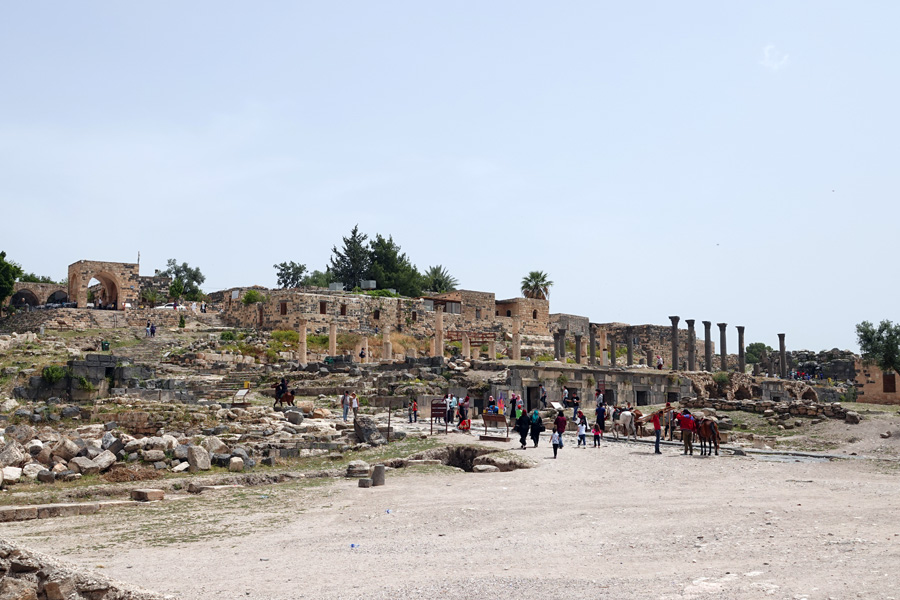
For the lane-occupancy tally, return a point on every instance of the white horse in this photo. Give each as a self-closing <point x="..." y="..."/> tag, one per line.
<point x="626" y="422"/>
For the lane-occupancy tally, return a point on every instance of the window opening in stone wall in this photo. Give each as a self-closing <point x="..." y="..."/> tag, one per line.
<point x="534" y="314"/>
<point x="284" y="308"/>
<point x="415" y="317"/>
<point x="509" y="313"/>
<point x="477" y="313"/>
<point x="323" y="308"/>
<point x="429" y="305"/>
<point x="343" y="310"/>
<point x="889" y="383"/>
<point x="496" y="313"/>
<point x="376" y="315"/>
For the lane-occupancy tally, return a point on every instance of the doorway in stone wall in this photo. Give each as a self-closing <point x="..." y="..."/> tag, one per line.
<point x="532" y="398"/>
<point x="642" y="398"/>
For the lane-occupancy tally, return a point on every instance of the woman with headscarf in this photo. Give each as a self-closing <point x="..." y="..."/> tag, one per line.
<point x="537" y="426"/>
<point x="523" y="424"/>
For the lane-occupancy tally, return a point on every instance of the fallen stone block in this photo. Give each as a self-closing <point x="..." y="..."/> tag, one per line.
<point x="365" y="483"/>
<point x="147" y="495"/>
<point x="236" y="464"/>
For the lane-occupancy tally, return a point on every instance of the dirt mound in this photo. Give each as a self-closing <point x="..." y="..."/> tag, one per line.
<point x="123" y="474"/>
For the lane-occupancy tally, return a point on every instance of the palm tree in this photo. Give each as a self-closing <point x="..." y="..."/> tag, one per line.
<point x="536" y="285"/>
<point x="439" y="280"/>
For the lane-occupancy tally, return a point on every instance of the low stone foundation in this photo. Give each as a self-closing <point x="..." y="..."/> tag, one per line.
<point x="25" y="574"/>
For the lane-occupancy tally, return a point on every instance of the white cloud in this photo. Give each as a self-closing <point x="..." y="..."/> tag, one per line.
<point x="773" y="58"/>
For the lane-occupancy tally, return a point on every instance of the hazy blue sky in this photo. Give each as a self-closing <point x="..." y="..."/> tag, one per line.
<point x="734" y="162"/>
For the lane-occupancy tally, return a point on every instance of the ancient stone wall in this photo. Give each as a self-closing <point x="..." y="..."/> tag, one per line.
<point x="657" y="340"/>
<point x="875" y="386"/>
<point x="80" y="319"/>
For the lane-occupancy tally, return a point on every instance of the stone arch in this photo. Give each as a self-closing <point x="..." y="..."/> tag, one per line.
<point x="810" y="394"/>
<point x="24" y="296"/>
<point x="58" y="297"/>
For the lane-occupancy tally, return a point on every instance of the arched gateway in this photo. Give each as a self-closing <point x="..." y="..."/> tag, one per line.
<point x="119" y="283"/>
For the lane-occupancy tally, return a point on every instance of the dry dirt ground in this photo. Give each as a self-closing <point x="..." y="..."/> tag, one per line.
<point x="613" y="522"/>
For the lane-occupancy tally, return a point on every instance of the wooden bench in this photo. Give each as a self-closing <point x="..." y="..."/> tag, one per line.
<point x="240" y="399"/>
<point x="498" y="421"/>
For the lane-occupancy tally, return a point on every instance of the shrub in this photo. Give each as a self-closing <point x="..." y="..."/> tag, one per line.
<point x="53" y="373"/>
<point x="252" y="297"/>
<point x="317" y="341"/>
<point x="722" y="378"/>
<point x="228" y="336"/>
<point x="84" y="384"/>
<point x="181" y="322"/>
<point x="562" y="380"/>
<point x="286" y="336"/>
<point x="545" y="358"/>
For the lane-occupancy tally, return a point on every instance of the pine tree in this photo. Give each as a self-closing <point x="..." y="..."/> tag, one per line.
<point x="351" y="264"/>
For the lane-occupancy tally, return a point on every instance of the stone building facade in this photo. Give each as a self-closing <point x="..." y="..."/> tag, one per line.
<point x="656" y="340"/>
<point x="476" y="314"/>
<point x="875" y="386"/>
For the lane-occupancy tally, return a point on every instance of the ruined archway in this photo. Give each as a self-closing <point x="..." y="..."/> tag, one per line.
<point x="117" y="284"/>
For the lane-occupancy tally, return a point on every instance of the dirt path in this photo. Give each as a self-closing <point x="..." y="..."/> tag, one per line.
<point x="616" y="522"/>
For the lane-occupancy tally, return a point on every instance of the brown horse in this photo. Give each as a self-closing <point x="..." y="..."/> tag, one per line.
<point x="286" y="398"/>
<point x="708" y="434"/>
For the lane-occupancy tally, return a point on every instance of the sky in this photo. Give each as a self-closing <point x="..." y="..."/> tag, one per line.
<point x="721" y="161"/>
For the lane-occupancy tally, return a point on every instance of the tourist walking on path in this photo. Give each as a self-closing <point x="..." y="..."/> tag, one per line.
<point x="657" y="428"/>
<point x="537" y="426"/>
<point x="464" y="409"/>
<point x="523" y="426"/>
<point x="413" y="412"/>
<point x="687" y="424"/>
<point x="582" y="431"/>
<point x="556" y="440"/>
<point x="153" y="330"/>
<point x="354" y="404"/>
<point x="575" y="403"/>
<point x="596" y="431"/>
<point x="345" y="404"/>
<point x="559" y="425"/>
<point x="659" y="363"/>
<point x="147" y="334"/>
<point x="669" y="419"/>
<point x="543" y="397"/>
<point x="600" y="412"/>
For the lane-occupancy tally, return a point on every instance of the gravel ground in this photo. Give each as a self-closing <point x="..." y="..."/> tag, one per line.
<point x="614" y="522"/>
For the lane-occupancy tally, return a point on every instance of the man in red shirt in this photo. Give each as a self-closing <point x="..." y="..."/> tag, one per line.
<point x="687" y="425"/>
<point x="657" y="428"/>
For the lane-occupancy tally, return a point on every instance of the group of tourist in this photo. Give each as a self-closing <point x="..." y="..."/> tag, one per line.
<point x="151" y="330"/>
<point x="665" y="421"/>
<point x="349" y="402"/>
<point x="457" y="411"/>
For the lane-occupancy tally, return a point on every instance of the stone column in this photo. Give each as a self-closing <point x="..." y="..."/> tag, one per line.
<point x="650" y="362"/>
<point x="387" y="348"/>
<point x="432" y="348"/>
<point x="492" y="350"/>
<point x="562" y="345"/>
<point x="692" y="345"/>
<point x="707" y="350"/>
<point x="629" y="343"/>
<point x="783" y="353"/>
<point x="439" y="331"/>
<point x="674" y="342"/>
<point x="723" y="353"/>
<point x="592" y="346"/>
<point x="612" y="351"/>
<point x="578" y="348"/>
<point x="466" y="347"/>
<point x="742" y="360"/>
<point x="556" y="345"/>
<point x="332" y="339"/>
<point x="301" y="332"/>
<point x="516" y="340"/>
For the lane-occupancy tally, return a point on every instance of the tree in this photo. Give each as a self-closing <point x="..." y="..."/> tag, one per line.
<point x="757" y="351"/>
<point x="438" y="280"/>
<point x="149" y="295"/>
<point x="32" y="278"/>
<point x="880" y="346"/>
<point x="290" y="274"/>
<point x="351" y="264"/>
<point x="318" y="279"/>
<point x="391" y="269"/>
<point x="9" y="272"/>
<point x="189" y="278"/>
<point x="536" y="285"/>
